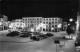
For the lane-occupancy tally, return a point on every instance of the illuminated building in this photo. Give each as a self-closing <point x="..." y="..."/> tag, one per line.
<point x="52" y="23"/>
<point x="17" y="24"/>
<point x="4" y="22"/>
<point x="32" y="21"/>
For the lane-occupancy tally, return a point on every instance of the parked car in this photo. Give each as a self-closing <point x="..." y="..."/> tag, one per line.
<point x="14" y="33"/>
<point x="25" y="34"/>
<point x="49" y="35"/>
<point x="37" y="36"/>
<point x="34" y="38"/>
<point x="43" y="36"/>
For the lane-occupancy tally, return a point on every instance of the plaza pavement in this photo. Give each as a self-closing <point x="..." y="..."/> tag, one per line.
<point x="16" y="44"/>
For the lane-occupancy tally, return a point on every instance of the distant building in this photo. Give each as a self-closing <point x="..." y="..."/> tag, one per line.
<point x="32" y="21"/>
<point x="52" y="23"/>
<point x="4" y="21"/>
<point x="17" y="24"/>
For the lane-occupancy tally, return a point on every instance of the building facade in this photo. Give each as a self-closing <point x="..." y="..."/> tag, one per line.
<point x="17" y="24"/>
<point x="52" y="23"/>
<point x="4" y="22"/>
<point x="32" y="21"/>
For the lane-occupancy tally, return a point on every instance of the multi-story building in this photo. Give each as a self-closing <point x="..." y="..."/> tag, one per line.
<point x="32" y="21"/>
<point x="52" y="23"/>
<point x="4" y="22"/>
<point x="18" y="23"/>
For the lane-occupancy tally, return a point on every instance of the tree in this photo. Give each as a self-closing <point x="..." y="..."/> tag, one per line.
<point x="69" y="30"/>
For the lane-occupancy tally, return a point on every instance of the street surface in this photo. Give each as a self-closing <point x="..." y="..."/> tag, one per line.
<point x="45" y="45"/>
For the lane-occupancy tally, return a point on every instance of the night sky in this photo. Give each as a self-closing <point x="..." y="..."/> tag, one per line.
<point x="18" y="9"/>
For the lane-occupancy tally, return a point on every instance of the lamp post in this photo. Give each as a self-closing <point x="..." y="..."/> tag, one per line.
<point x="71" y="20"/>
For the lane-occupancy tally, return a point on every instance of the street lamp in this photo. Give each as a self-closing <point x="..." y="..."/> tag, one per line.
<point x="71" y="20"/>
<point x="68" y="24"/>
<point x="59" y="25"/>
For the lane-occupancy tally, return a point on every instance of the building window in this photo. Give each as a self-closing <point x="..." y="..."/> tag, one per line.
<point x="55" y="25"/>
<point x="31" y="21"/>
<point x="52" y="19"/>
<point x="40" y="18"/>
<point x="52" y="25"/>
<point x="40" y="21"/>
<point x="17" y="21"/>
<point x="49" y="19"/>
<point x="49" y="22"/>
<point x="46" y="22"/>
<point x="52" y="22"/>
<point x="35" y="21"/>
<point x="55" y="21"/>
<point x="21" y="21"/>
<point x="46" y="19"/>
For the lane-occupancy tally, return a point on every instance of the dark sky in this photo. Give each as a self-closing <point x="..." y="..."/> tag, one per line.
<point x="19" y="9"/>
